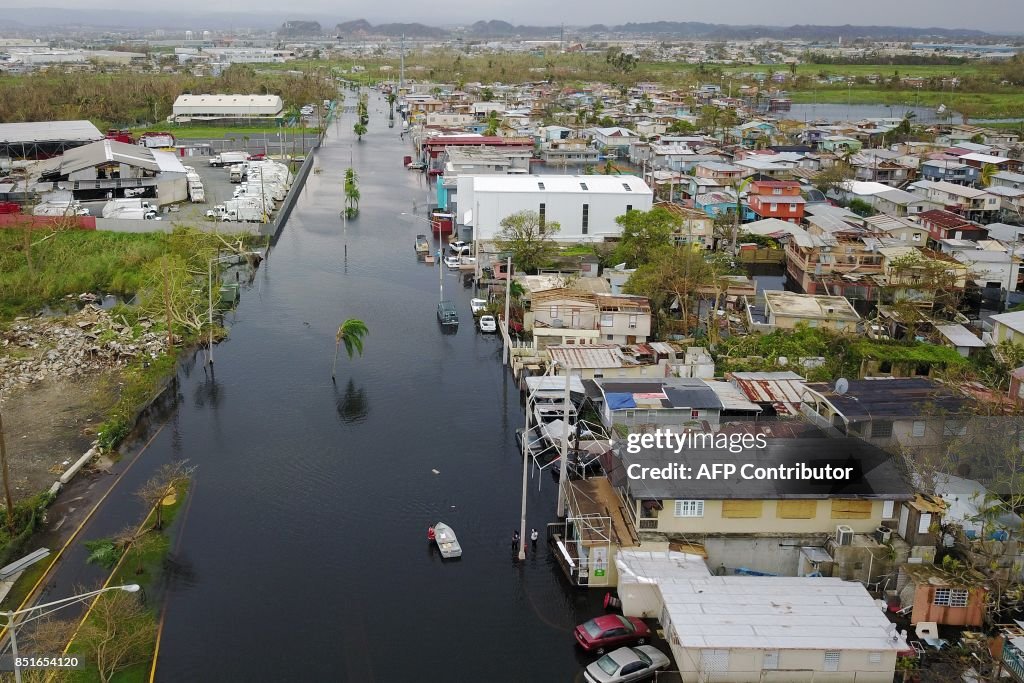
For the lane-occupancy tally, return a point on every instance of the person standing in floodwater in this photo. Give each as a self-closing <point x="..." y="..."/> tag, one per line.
<point x="533" y="539"/>
<point x="515" y="540"/>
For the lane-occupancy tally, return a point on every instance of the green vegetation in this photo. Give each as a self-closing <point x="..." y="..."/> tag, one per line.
<point x="350" y="335"/>
<point x="529" y="238"/>
<point x="185" y="132"/>
<point x="843" y="354"/>
<point x="28" y="515"/>
<point x="138" y="385"/>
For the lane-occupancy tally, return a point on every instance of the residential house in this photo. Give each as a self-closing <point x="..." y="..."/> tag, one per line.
<point x="775" y="199"/>
<point x="584" y="206"/>
<point x="913" y="413"/>
<point x="754" y="133"/>
<point x="1008" y="179"/>
<point x="614" y="141"/>
<point x="726" y="174"/>
<point x="697" y="227"/>
<point x="942" y="225"/>
<point x="625" y="319"/>
<point x="979" y="161"/>
<point x="902" y="229"/>
<point x="990" y="268"/>
<point x="715" y="203"/>
<point x="840" y="144"/>
<point x="778" y="167"/>
<point x="644" y="405"/>
<point x="948" y="170"/>
<point x="777" y="393"/>
<point x="901" y="203"/>
<point x="1008" y="327"/>
<point x="835" y="256"/>
<point x="597" y="361"/>
<point x="785" y="310"/>
<point x="956" y="336"/>
<point x="753" y="629"/>
<point x="969" y="202"/>
<point x="434" y="148"/>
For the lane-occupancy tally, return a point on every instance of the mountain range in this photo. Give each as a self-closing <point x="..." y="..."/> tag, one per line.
<point x="54" y="19"/>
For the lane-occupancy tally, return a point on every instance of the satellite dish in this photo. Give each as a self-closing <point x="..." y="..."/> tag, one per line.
<point x="842" y="386"/>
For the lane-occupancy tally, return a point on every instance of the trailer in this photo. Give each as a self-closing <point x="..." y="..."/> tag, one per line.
<point x="60" y="209"/>
<point x="235" y="173"/>
<point x="196" y="193"/>
<point x="157" y="140"/>
<point x="116" y="207"/>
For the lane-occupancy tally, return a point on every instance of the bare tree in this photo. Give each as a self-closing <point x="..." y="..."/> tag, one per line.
<point x="118" y="634"/>
<point x="167" y="481"/>
<point x="140" y="540"/>
<point x="8" y="500"/>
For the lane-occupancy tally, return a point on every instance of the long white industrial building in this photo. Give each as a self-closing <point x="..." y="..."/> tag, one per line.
<point x="217" y="107"/>
<point x="584" y="206"/>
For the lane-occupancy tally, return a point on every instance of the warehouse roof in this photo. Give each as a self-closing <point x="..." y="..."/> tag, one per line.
<point x="762" y="612"/>
<point x="49" y="131"/>
<point x="97" y="153"/>
<point x="562" y="184"/>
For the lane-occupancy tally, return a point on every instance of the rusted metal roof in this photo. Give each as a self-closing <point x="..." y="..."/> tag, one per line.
<point x="784" y="390"/>
<point x="588" y="356"/>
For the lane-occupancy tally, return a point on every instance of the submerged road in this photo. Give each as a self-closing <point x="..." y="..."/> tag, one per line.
<point x="304" y="554"/>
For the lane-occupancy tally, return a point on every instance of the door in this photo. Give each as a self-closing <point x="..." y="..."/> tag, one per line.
<point x="630" y="339"/>
<point x="904" y="518"/>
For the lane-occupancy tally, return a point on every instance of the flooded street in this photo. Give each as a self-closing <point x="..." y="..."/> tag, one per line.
<point x="303" y="552"/>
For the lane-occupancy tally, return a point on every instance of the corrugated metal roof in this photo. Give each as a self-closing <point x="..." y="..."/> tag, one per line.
<point x="49" y="131"/>
<point x="731" y="397"/>
<point x="784" y="390"/>
<point x="587" y="356"/>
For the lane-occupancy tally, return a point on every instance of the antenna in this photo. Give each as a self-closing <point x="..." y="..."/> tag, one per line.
<point x="842" y="386"/>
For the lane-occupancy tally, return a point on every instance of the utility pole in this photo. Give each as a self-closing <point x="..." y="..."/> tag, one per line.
<point x="563" y="467"/>
<point x="401" y="68"/>
<point x="167" y="306"/>
<point x="508" y="296"/>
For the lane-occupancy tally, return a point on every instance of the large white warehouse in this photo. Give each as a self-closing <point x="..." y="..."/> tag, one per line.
<point x="227" y="107"/>
<point x="584" y="206"/>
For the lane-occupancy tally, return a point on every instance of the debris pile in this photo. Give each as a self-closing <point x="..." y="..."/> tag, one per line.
<point x="37" y="349"/>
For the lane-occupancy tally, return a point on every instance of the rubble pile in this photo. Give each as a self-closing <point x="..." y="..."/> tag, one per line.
<point x="36" y="349"/>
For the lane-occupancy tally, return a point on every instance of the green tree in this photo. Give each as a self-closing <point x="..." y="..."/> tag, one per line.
<point x="492" y="123"/>
<point x="681" y="127"/>
<point x="987" y="173"/>
<point x="350" y="335"/>
<point x="670" y="278"/>
<point x="487" y="94"/>
<point x="833" y="177"/>
<point x="861" y="207"/>
<point x="359" y="129"/>
<point x="351" y="192"/>
<point x="643" y="233"/>
<point x="528" y="240"/>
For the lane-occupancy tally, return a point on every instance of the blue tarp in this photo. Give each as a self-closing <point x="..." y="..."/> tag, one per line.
<point x="620" y="401"/>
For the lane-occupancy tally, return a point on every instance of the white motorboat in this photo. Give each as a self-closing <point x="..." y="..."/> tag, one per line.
<point x="446" y="541"/>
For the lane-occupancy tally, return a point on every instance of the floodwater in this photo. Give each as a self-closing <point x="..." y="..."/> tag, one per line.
<point x="303" y="553"/>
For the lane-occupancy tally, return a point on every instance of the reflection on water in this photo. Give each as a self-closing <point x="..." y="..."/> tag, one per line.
<point x="353" y="406"/>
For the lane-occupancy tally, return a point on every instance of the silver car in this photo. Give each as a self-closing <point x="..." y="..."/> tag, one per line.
<point x="626" y="664"/>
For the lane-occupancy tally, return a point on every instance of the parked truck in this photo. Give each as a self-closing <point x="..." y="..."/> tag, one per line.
<point x="129" y="208"/>
<point x="234" y="210"/>
<point x="235" y="173"/>
<point x="196" y="193"/>
<point x="228" y="158"/>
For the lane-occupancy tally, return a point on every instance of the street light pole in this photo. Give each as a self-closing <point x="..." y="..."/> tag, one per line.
<point x="56" y="605"/>
<point x="564" y="456"/>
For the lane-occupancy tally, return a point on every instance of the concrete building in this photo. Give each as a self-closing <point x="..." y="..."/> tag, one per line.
<point x="227" y="108"/>
<point x="785" y="310"/>
<point x="585" y="207"/>
<point x="1008" y="327"/>
<point x="759" y="629"/>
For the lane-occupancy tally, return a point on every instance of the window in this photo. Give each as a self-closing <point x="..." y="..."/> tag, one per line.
<point x="919" y="426"/>
<point x="953" y="428"/>
<point x="543" y="211"/>
<point x="770" y="659"/>
<point x="583" y="186"/>
<point x="831" y="660"/>
<point x="796" y="509"/>
<point x="742" y="509"/>
<point x="773" y="207"/>
<point x="554" y="312"/>
<point x="540" y="186"/>
<point x="629" y="207"/>
<point x="606" y="319"/>
<point x="875" y="657"/>
<point x="916" y="237"/>
<point x="586" y="218"/>
<point x="792" y="207"/>
<point x="845" y="508"/>
<point x="776" y="190"/>
<point x="887" y="509"/>
<point x="689" y="508"/>
<point x="632" y="322"/>
<point x="714" y="661"/>
<point x="881" y="429"/>
<point x="626" y="187"/>
<point x="924" y="523"/>
<point x="694" y="414"/>
<point x="950" y="597"/>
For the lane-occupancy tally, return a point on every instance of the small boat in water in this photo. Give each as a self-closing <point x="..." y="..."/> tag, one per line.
<point x="422" y="245"/>
<point x="447" y="543"/>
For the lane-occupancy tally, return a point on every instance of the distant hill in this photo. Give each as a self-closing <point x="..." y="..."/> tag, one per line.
<point x="692" y="29"/>
<point x="299" y="28"/>
<point x="361" y="27"/>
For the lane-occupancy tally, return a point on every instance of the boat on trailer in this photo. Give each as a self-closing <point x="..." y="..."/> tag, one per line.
<point x="446" y="541"/>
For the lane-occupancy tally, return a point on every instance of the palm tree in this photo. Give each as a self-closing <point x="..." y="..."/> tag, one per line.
<point x="360" y="130"/>
<point x="986" y="174"/>
<point x="350" y="333"/>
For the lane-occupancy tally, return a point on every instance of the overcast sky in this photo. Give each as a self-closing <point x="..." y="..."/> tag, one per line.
<point x="1003" y="16"/>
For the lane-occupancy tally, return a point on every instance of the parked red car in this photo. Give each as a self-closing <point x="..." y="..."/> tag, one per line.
<point x="611" y="631"/>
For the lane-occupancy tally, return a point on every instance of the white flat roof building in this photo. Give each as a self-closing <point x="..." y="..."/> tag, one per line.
<point x="584" y="206"/>
<point x="207" y="107"/>
<point x="740" y="629"/>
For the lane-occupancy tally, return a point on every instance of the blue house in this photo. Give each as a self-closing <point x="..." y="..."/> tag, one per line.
<point x="715" y="203"/>
<point x="949" y="171"/>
